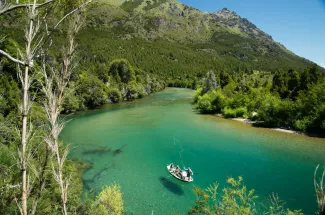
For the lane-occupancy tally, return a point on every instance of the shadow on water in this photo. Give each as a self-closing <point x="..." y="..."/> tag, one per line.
<point x="119" y="150"/>
<point x="171" y="186"/>
<point x="101" y="150"/>
<point x="89" y="183"/>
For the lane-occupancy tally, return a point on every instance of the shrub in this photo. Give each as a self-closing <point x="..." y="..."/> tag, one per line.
<point x="229" y="113"/>
<point x="197" y="94"/>
<point x="218" y="100"/>
<point x="121" y="71"/>
<point x="204" y="104"/>
<point x="114" y="95"/>
<point x="109" y="201"/>
<point x="241" y="112"/>
<point x="233" y="113"/>
<point x="235" y="198"/>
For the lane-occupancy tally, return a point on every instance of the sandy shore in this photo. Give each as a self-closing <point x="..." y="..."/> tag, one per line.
<point x="252" y="122"/>
<point x="287" y="131"/>
<point x="244" y="120"/>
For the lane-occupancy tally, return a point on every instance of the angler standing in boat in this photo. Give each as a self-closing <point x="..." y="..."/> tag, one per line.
<point x="183" y="175"/>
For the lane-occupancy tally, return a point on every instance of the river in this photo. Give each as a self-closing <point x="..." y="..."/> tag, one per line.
<point x="131" y="144"/>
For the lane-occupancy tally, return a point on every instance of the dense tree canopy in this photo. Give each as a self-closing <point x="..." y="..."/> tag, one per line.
<point x="291" y="99"/>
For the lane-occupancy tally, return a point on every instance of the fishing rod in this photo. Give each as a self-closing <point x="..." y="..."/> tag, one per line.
<point x="180" y="152"/>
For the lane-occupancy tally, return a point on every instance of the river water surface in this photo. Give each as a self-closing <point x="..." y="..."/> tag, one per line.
<point x="131" y="144"/>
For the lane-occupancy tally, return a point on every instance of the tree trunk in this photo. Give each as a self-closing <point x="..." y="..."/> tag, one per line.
<point x="23" y="145"/>
<point x="60" y="178"/>
<point x="25" y="110"/>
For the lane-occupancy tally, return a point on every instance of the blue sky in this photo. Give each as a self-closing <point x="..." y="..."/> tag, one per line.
<point x="298" y="24"/>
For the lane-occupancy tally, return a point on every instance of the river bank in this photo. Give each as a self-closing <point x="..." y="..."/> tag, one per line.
<point x="254" y="123"/>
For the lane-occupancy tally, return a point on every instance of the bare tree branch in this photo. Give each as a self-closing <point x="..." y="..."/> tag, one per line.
<point x="12" y="58"/>
<point x="19" y="6"/>
<point x="72" y="12"/>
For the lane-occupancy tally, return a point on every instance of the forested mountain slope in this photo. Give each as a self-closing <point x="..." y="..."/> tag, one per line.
<point x="175" y="40"/>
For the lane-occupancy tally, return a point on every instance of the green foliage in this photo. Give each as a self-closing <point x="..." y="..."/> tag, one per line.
<point x="233" y="113"/>
<point x="129" y="6"/>
<point x="153" y="3"/>
<point x="210" y="82"/>
<point x="212" y="102"/>
<point x="72" y="102"/>
<point x="235" y="199"/>
<point x="92" y="91"/>
<point x="284" y="100"/>
<point x="10" y="174"/>
<point x="109" y="201"/>
<point x="121" y="71"/>
<point x="9" y="95"/>
<point x="204" y="103"/>
<point x="311" y="108"/>
<point x="114" y="95"/>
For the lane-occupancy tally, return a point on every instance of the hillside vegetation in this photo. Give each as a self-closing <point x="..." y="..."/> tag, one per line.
<point x="127" y="50"/>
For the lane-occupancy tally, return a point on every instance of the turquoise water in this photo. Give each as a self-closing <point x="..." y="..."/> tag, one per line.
<point x="131" y="143"/>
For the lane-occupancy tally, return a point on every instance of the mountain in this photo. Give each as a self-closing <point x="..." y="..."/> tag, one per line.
<point x="157" y="35"/>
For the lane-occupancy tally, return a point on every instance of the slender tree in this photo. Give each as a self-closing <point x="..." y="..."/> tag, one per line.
<point x="54" y="86"/>
<point x="34" y="41"/>
<point x="320" y="191"/>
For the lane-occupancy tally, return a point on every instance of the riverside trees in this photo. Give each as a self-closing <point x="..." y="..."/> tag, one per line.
<point x="286" y="99"/>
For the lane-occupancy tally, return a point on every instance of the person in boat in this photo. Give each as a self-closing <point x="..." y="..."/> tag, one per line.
<point x="178" y="171"/>
<point x="188" y="173"/>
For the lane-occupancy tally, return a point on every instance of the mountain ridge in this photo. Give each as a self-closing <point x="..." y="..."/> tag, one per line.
<point x="222" y="36"/>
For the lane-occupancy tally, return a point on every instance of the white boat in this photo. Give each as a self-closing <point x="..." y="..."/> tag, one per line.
<point x="183" y="175"/>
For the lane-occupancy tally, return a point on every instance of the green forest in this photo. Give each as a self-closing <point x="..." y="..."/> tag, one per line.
<point x="87" y="67"/>
<point x="287" y="99"/>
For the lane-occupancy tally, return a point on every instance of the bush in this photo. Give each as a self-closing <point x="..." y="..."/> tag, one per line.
<point x="233" y="113"/>
<point x="218" y="100"/>
<point x="204" y="104"/>
<point x="235" y="198"/>
<point x="131" y="91"/>
<point x="114" y="95"/>
<point x="197" y="94"/>
<point x="121" y="71"/>
<point x="241" y="112"/>
<point x="109" y="201"/>
<point x="91" y="90"/>
<point x="229" y="113"/>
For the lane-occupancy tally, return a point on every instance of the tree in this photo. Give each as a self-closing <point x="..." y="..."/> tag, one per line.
<point x="36" y="36"/>
<point x="121" y="71"/>
<point x="204" y="103"/>
<point x="235" y="199"/>
<point x="280" y="83"/>
<point x="210" y="82"/>
<point x="293" y="83"/>
<point x="114" y="95"/>
<point x="109" y="201"/>
<point x="91" y="90"/>
<point x="53" y="87"/>
<point x="311" y="108"/>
